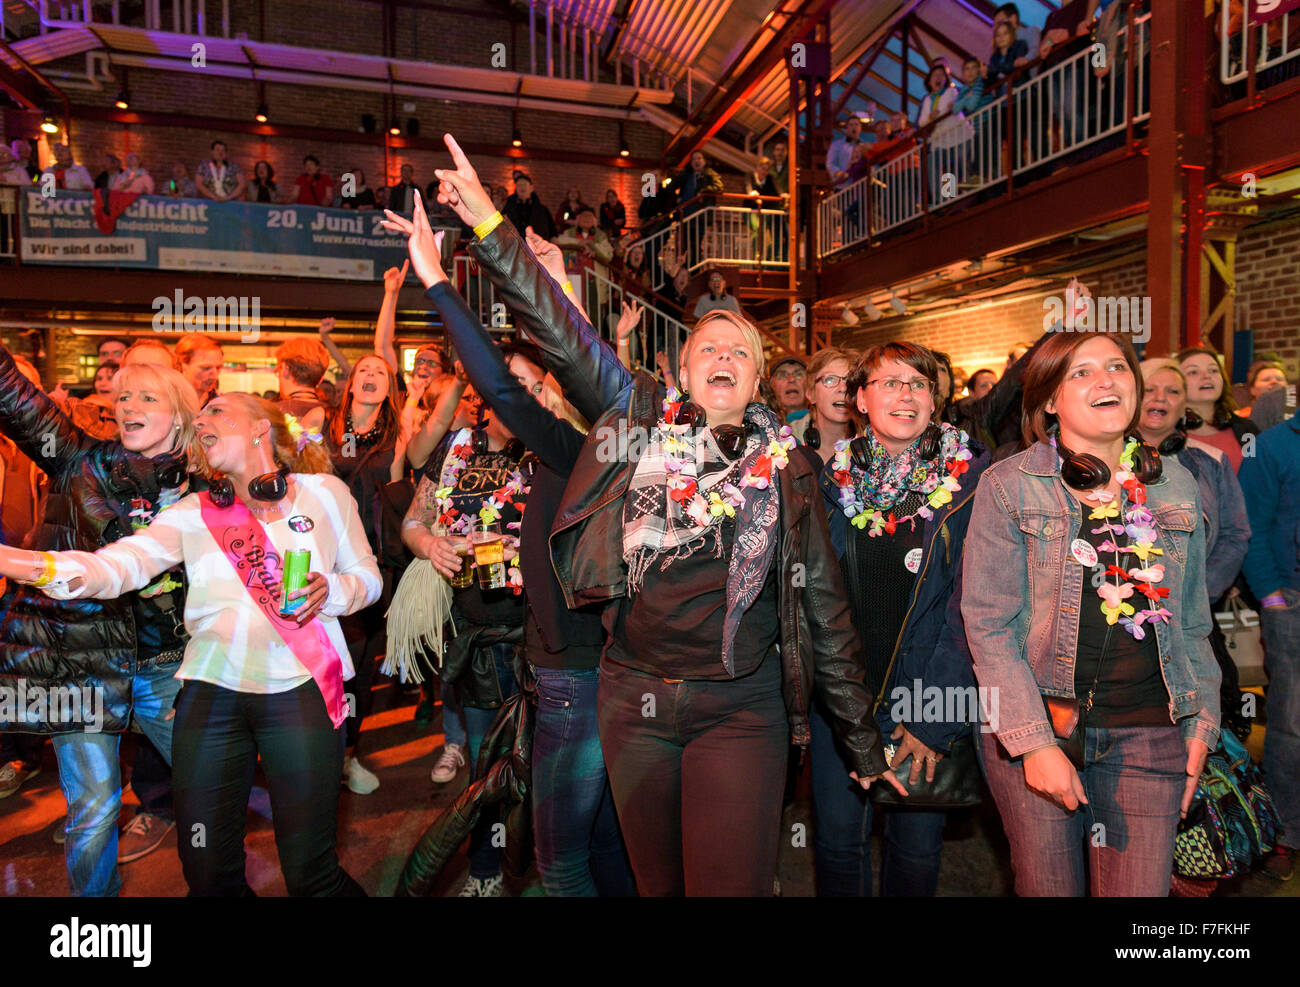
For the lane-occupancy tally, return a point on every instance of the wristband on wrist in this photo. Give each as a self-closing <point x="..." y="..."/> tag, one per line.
<point x="1272" y="600"/>
<point x="488" y="225"/>
<point x="567" y="287"/>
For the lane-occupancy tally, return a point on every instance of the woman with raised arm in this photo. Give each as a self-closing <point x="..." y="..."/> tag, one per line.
<point x="1083" y="594"/>
<point x="579" y="848"/>
<point x="263" y="670"/>
<point x="692" y="525"/>
<point x="122" y="651"/>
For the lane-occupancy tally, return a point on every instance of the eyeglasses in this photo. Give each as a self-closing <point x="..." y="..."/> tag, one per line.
<point x="832" y="380"/>
<point x="890" y="385"/>
<point x="789" y="375"/>
<point x="426" y="362"/>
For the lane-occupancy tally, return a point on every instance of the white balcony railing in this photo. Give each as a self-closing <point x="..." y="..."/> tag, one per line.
<point x="720" y="236"/>
<point x="1273" y="43"/>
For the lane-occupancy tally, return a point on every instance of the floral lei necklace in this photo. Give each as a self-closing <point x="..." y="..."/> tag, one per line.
<point x="937" y="477"/>
<point x="515" y="492"/>
<point x="1141" y="530"/>
<point x="681" y="469"/>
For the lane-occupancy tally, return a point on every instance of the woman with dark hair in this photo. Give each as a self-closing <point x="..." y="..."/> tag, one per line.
<point x="1210" y="395"/>
<point x="1086" y="613"/>
<point x="613" y="216"/>
<point x="263" y="188"/>
<point x="898" y="500"/>
<point x="263" y="670"/>
<point x="725" y="609"/>
<point x="355" y="194"/>
<point x="363" y="436"/>
<point x="947" y="387"/>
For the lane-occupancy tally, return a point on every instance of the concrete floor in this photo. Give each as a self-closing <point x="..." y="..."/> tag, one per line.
<point x="377" y="831"/>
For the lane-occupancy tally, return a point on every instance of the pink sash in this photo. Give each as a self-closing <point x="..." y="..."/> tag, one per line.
<point x="245" y="543"/>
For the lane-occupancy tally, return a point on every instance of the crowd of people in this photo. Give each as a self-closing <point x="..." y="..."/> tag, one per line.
<point x="717" y="566"/>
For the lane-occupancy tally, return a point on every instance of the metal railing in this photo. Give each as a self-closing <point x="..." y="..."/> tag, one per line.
<point x="752" y="232"/>
<point x="1272" y="42"/>
<point x="8" y="221"/>
<point x="1037" y="120"/>
<point x="176" y="16"/>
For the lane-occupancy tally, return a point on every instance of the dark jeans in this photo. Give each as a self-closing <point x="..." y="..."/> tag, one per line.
<point x="1280" y="627"/>
<point x="1124" y="836"/>
<point x="484" y="856"/>
<point x="218" y="737"/>
<point x="842" y="832"/>
<point x="151" y="779"/>
<point x="26" y="747"/>
<point x="579" y="846"/>
<point x="697" y="770"/>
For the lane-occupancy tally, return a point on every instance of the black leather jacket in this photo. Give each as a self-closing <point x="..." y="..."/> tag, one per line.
<point x="84" y="643"/>
<point x="821" y="652"/>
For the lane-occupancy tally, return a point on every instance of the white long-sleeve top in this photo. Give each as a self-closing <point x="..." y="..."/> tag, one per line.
<point x="232" y="642"/>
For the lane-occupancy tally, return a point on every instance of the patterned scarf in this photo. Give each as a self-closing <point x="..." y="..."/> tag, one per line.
<point x="658" y="527"/>
<point x="889" y="478"/>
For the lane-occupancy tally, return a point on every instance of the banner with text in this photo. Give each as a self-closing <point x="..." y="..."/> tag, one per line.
<point x="84" y="229"/>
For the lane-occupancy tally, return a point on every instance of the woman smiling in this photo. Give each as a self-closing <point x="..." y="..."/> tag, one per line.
<point x="1085" y="608"/>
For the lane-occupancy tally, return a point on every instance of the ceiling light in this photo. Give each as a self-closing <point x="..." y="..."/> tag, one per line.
<point x="872" y="313"/>
<point x="262" y="114"/>
<point x="123" y="100"/>
<point x="849" y="316"/>
<point x="48" y="125"/>
<point x="395" y="127"/>
<point x="516" y="138"/>
<point x="898" y="305"/>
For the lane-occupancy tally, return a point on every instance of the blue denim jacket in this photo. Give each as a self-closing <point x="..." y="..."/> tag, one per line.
<point x="1227" y="530"/>
<point x="1269" y="480"/>
<point x="1021" y="584"/>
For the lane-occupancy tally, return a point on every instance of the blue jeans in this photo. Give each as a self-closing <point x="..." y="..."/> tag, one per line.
<point x="1281" y="633"/>
<point x="1133" y="778"/>
<point x="453" y="717"/>
<point x="484" y="858"/>
<point x="842" y="832"/>
<point x="91" y="779"/>
<point x="579" y="846"/>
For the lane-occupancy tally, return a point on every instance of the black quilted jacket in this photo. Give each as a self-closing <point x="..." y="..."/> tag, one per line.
<point x="94" y="486"/>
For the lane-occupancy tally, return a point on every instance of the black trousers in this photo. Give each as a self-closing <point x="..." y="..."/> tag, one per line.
<point x="697" y="770"/>
<point x="366" y="633"/>
<point x="218" y="737"/>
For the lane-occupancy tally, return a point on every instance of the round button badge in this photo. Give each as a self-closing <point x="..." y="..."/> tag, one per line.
<point x="913" y="560"/>
<point x="1083" y="552"/>
<point x="301" y="523"/>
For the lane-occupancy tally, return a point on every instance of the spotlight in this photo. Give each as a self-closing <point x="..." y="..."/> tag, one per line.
<point x="262" y="114"/>
<point x="897" y="304"/>
<point x="624" y="151"/>
<point x="48" y="125"/>
<point x="395" y="127"/>
<point x="516" y="138"/>
<point x="123" y="100"/>
<point x="848" y="316"/>
<point x="872" y="313"/>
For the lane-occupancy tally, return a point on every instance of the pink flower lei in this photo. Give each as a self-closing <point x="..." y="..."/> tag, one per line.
<point x="680" y="468"/>
<point x="1139" y="525"/>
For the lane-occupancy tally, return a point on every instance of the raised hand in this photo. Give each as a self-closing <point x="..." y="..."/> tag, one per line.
<point x="460" y="188"/>
<point x="629" y="320"/>
<point x="327" y="323"/>
<point x="394" y="278"/>
<point x="424" y="245"/>
<point x="548" y="255"/>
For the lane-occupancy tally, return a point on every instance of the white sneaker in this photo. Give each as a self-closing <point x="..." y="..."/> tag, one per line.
<point x="480" y="887"/>
<point x="448" y="764"/>
<point x="357" y="778"/>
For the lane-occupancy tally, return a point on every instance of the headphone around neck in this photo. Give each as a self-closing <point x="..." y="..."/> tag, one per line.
<point x="1084" y="471"/>
<point x="268" y="487"/>
<point x="860" y="448"/>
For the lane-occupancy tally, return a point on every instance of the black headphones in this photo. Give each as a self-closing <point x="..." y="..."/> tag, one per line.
<point x="1176" y="440"/>
<point x="730" y="438"/>
<point x="1083" y="471"/>
<point x="513" y="449"/>
<point x="170" y="469"/>
<point x="860" y="448"/>
<point x="268" y="486"/>
<point x="812" y="438"/>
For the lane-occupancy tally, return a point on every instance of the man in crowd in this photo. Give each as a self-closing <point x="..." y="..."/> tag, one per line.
<point x="841" y="152"/>
<point x="525" y="209"/>
<point x="1269" y="480"/>
<point x="111" y="350"/>
<point x="217" y="178"/>
<point x="199" y="359"/>
<point x="401" y="197"/>
<point x="67" y="175"/>
<point x="981" y="382"/>
<point x="12" y="171"/>
<point x="300" y="366"/>
<point x="22" y="152"/>
<point x="788" y="377"/>
<point x="112" y="168"/>
<point x="780" y="171"/>
<point x="716" y="298"/>
<point x="315" y="187"/>
<point x="697" y="179"/>
<point x="1027" y="33"/>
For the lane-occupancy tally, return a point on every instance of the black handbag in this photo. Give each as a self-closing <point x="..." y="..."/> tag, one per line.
<point x="956" y="782"/>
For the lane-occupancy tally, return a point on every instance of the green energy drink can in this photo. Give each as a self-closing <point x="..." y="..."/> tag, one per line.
<point x="297" y="563"/>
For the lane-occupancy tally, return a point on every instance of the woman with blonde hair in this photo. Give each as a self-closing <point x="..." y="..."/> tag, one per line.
<point x="263" y="669"/>
<point x="117" y="656"/>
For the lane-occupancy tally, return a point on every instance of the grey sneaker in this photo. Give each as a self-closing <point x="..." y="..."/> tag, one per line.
<point x="142" y="836"/>
<point x="448" y="764"/>
<point x="14" y="775"/>
<point x="481" y="887"/>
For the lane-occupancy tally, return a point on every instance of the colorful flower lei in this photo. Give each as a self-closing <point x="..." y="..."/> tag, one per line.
<point x="926" y="479"/>
<point x="683" y="485"/>
<point x="1140" y="527"/>
<point x="514" y="493"/>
